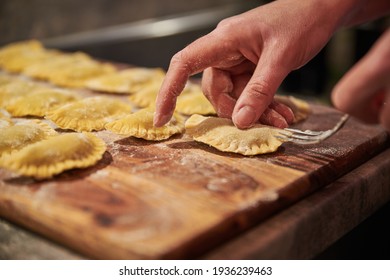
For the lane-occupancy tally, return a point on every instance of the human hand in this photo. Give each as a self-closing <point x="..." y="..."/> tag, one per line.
<point x="364" y="91"/>
<point x="247" y="57"/>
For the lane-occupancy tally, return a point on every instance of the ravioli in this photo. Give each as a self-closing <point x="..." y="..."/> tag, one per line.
<point x="193" y="101"/>
<point x="66" y="69"/>
<point x="300" y="108"/>
<point x="221" y="134"/>
<point x="52" y="156"/>
<point x="20" y="62"/>
<point x="16" y="56"/>
<point x="17" y="136"/>
<point x="46" y="68"/>
<point x="5" y="79"/>
<point x="89" y="114"/>
<point x="76" y="75"/>
<point x="127" y="81"/>
<point x="40" y="102"/>
<point x="140" y="125"/>
<point x="5" y="121"/>
<point x="15" y="89"/>
<point x="146" y="96"/>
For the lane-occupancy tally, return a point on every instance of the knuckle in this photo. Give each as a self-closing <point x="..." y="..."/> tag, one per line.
<point x="226" y="23"/>
<point x="184" y="62"/>
<point x="260" y="90"/>
<point x="225" y="33"/>
<point x="178" y="60"/>
<point x="342" y="100"/>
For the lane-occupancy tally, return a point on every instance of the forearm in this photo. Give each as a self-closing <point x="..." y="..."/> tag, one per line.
<point x="368" y="10"/>
<point x="336" y="14"/>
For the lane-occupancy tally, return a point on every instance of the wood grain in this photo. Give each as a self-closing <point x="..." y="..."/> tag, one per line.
<point x="307" y="228"/>
<point x="178" y="198"/>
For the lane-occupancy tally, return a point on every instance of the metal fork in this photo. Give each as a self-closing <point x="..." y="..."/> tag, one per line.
<point x="308" y="136"/>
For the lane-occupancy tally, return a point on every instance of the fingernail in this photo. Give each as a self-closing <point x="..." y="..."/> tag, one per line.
<point x="159" y="120"/>
<point x="245" y="117"/>
<point x="281" y="123"/>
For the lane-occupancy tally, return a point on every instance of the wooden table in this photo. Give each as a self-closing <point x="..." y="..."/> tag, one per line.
<point x="336" y="191"/>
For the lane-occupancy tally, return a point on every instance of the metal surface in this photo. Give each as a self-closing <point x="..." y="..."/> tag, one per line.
<point x="149" y="28"/>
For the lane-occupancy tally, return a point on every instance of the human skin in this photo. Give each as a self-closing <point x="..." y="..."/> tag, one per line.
<point x="364" y="92"/>
<point x="246" y="57"/>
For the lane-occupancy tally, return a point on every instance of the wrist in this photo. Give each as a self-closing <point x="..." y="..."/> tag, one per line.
<point x="336" y="13"/>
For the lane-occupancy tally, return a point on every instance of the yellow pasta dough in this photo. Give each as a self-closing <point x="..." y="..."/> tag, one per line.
<point x="22" y="61"/>
<point x="193" y="101"/>
<point x="76" y="75"/>
<point x="126" y="81"/>
<point x="140" y="125"/>
<point x="146" y="96"/>
<point x="24" y="133"/>
<point x="5" y="121"/>
<point x="221" y="134"/>
<point x="18" y="47"/>
<point x="15" y="89"/>
<point x="46" y="68"/>
<point x="16" y="56"/>
<point x="64" y="69"/>
<point x="55" y="155"/>
<point x="5" y="79"/>
<point x="40" y="102"/>
<point x="89" y="114"/>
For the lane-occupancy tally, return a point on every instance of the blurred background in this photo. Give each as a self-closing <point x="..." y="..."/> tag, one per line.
<point x="148" y="32"/>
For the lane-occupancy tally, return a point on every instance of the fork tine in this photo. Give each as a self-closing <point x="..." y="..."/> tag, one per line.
<point x="300" y="139"/>
<point x="297" y="141"/>
<point x="304" y="132"/>
<point x="308" y="136"/>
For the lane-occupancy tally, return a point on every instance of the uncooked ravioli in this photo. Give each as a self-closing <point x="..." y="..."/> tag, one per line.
<point x="221" y="134"/>
<point x="15" y="89"/>
<point x="193" y="101"/>
<point x="40" y="102"/>
<point x="146" y="96"/>
<point x="89" y="114"/>
<point x="140" y="125"/>
<point x="127" y="81"/>
<point x="76" y="75"/>
<point x="5" y="79"/>
<point x="51" y="65"/>
<point x="16" y="56"/>
<point x="5" y="120"/>
<point x="52" y="156"/>
<point x="15" y="137"/>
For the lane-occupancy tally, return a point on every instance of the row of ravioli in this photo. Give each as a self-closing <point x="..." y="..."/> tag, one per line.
<point x="79" y="70"/>
<point x="41" y="83"/>
<point x="32" y="59"/>
<point x="70" y="109"/>
<point x="30" y="145"/>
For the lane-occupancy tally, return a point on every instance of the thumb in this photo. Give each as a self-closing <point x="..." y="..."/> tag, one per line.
<point x="258" y="94"/>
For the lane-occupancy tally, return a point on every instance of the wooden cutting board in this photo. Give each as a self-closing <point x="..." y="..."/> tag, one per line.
<point x="178" y="198"/>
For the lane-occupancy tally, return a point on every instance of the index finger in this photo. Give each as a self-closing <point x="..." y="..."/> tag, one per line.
<point x="196" y="57"/>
